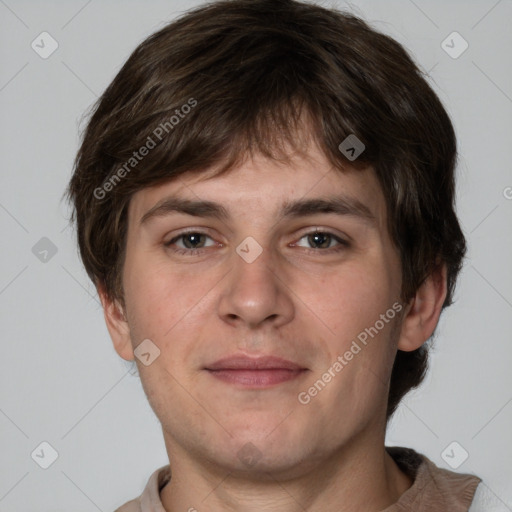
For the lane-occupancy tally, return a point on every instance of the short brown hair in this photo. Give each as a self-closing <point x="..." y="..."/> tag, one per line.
<point x="249" y="72"/>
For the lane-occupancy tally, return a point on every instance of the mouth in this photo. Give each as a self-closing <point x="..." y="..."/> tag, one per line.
<point x="261" y="372"/>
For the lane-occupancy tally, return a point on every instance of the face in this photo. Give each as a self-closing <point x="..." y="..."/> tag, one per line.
<point x="275" y="314"/>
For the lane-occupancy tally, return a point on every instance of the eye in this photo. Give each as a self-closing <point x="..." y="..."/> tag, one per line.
<point x="189" y="243"/>
<point x="322" y="240"/>
<point x="196" y="242"/>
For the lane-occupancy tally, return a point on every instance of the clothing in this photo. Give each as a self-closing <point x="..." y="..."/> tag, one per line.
<point x="434" y="489"/>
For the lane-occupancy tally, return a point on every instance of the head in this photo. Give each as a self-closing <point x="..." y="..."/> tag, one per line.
<point x="245" y="103"/>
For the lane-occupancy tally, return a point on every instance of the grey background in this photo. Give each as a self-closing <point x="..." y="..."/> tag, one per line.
<point x="61" y="381"/>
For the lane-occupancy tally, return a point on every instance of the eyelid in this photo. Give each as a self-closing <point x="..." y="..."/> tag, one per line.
<point x="342" y="241"/>
<point x="328" y="231"/>
<point x="187" y="231"/>
<point x="302" y="233"/>
<point x="198" y="229"/>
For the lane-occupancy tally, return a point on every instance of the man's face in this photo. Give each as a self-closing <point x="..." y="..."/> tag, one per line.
<point x="320" y="280"/>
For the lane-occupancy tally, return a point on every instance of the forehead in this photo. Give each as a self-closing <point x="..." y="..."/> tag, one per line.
<point x="261" y="187"/>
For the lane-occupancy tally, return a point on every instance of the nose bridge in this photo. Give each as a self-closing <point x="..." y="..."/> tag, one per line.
<point x="252" y="265"/>
<point x="253" y="292"/>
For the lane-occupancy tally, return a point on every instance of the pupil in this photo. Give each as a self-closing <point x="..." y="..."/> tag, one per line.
<point x="195" y="237"/>
<point x="320" y="239"/>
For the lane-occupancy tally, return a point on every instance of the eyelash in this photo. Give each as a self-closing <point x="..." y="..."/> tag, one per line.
<point x="342" y="244"/>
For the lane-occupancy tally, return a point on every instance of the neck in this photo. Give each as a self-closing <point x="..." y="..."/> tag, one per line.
<point x="350" y="479"/>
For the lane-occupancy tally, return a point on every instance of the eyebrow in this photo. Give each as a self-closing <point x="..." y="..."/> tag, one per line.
<point x="339" y="205"/>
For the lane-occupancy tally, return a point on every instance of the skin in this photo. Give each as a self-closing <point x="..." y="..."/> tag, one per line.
<point x="296" y="301"/>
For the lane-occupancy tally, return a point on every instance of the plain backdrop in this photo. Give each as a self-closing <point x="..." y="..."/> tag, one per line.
<point x="61" y="381"/>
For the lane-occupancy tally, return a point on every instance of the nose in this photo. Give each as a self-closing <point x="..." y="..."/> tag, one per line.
<point x="256" y="293"/>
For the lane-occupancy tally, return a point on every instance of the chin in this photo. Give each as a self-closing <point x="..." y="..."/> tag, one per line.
<point x="263" y="448"/>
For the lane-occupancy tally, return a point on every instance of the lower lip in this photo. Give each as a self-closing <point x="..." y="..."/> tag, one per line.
<point x="256" y="378"/>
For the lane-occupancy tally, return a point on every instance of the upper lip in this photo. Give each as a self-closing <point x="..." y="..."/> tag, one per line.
<point x="254" y="363"/>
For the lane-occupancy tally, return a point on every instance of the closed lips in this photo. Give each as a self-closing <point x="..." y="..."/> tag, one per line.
<point x="261" y="363"/>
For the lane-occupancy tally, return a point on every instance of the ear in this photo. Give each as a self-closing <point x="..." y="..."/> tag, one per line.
<point x="423" y="311"/>
<point x="117" y="325"/>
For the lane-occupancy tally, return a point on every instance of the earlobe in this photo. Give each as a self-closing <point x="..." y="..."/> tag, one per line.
<point x="423" y="312"/>
<point x="117" y="325"/>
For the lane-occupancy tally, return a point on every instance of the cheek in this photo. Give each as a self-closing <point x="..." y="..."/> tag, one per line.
<point x="350" y="303"/>
<point x="166" y="307"/>
<point x="161" y="299"/>
<point x="349" y="299"/>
